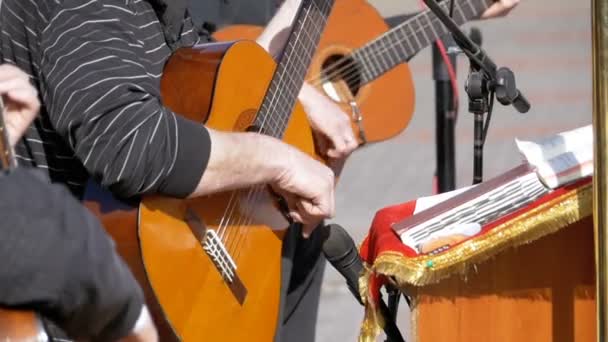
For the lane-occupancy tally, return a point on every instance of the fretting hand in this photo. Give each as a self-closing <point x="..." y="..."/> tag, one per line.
<point x="21" y="102"/>
<point x="331" y="126"/>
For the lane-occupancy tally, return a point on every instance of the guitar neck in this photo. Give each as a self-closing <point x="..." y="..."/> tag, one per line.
<point x="288" y="78"/>
<point x="7" y="160"/>
<point x="405" y="40"/>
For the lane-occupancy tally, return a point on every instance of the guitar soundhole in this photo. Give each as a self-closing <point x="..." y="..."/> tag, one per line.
<point x="341" y="78"/>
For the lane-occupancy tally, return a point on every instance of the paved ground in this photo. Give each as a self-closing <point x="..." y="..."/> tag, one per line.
<point x="547" y="43"/>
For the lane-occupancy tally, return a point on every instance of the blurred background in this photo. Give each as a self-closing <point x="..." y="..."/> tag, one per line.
<point x="547" y="44"/>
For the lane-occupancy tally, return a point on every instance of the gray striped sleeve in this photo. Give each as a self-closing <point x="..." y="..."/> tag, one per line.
<point x="100" y="84"/>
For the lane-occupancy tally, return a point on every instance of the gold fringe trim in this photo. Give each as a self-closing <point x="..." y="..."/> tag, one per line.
<point x="545" y="219"/>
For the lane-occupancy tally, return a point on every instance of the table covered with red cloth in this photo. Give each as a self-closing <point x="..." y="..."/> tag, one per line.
<point x="386" y="258"/>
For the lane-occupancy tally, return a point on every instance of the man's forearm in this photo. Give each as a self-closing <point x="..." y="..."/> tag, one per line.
<point x="239" y="160"/>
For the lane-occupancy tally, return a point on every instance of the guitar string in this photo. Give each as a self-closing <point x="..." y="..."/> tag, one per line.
<point x="256" y="191"/>
<point x="232" y="206"/>
<point x="429" y="23"/>
<point x="337" y="68"/>
<point x="226" y="233"/>
<point x="252" y="190"/>
<point x="290" y="93"/>
<point x="242" y="238"/>
<point x="320" y="78"/>
<point x="237" y="194"/>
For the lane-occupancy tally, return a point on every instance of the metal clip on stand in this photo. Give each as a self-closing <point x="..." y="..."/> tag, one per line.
<point x="484" y="82"/>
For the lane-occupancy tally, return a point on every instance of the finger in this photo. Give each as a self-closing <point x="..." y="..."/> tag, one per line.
<point x="26" y="96"/>
<point x="296" y="216"/>
<point x="499" y="9"/>
<point x="310" y="212"/>
<point x="9" y="71"/>
<point x="338" y="150"/>
<point x="318" y="210"/>
<point x="13" y="83"/>
<point x="348" y="145"/>
<point x="351" y="144"/>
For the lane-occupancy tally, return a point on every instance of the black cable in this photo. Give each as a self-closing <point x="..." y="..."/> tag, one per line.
<point x="486" y="125"/>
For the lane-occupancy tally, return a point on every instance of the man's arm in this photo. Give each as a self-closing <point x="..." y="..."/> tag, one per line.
<point x="125" y="137"/>
<point x="332" y="127"/>
<point x="275" y="34"/>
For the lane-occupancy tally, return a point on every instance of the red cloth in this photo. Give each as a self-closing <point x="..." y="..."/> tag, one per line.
<point x="382" y="238"/>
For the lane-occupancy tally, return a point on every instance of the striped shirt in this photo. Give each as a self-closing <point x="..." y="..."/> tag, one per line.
<point x="97" y="65"/>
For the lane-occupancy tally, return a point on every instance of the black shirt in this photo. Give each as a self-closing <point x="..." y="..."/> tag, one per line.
<point x="228" y="12"/>
<point x="58" y="261"/>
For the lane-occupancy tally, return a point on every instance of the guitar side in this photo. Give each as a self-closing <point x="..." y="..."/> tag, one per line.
<point x="20" y="326"/>
<point x="387" y="103"/>
<point x="222" y="85"/>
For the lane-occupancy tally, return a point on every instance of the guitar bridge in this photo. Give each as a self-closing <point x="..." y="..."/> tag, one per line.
<point x="220" y="256"/>
<point x="215" y="249"/>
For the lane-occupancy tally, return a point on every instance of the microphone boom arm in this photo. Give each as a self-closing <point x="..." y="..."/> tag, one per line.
<point x="502" y="80"/>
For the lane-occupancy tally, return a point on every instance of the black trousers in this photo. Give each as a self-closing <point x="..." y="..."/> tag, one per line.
<point x="303" y="265"/>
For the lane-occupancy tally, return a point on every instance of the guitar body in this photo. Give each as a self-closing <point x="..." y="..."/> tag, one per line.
<point x="387" y="103"/>
<point x="222" y="85"/>
<point x="20" y="326"/>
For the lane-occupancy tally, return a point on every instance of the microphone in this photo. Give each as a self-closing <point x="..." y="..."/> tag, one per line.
<point x="475" y="36"/>
<point x="340" y="250"/>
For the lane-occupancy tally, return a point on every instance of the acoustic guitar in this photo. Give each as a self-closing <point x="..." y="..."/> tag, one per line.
<point x="210" y="266"/>
<point x="356" y="53"/>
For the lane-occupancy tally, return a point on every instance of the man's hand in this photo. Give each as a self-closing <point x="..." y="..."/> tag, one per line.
<point x="332" y="127"/>
<point x="308" y="187"/>
<point x="499" y="9"/>
<point x="21" y="102"/>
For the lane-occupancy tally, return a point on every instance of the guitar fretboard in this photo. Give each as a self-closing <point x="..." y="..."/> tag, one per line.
<point x="288" y="79"/>
<point x="7" y="160"/>
<point x="405" y="40"/>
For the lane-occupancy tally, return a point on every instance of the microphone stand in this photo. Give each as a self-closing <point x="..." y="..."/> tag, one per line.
<point x="485" y="81"/>
<point x="445" y="115"/>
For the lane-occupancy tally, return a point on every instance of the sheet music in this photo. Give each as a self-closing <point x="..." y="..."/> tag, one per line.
<point x="467" y="219"/>
<point x="562" y="158"/>
<point x="558" y="160"/>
